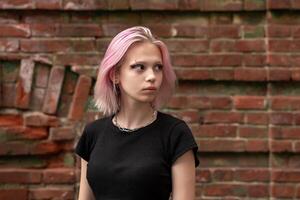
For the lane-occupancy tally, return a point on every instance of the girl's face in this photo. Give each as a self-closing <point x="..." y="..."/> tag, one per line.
<point x="140" y="75"/>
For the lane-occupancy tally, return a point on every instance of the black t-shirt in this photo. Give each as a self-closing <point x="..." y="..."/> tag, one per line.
<point x="136" y="165"/>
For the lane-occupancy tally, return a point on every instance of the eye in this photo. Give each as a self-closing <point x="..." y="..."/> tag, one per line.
<point x="158" y="67"/>
<point x="138" y="67"/>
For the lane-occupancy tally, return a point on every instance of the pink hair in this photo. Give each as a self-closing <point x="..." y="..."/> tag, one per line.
<point x="105" y="98"/>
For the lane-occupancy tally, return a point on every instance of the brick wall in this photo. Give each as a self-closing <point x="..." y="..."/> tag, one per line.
<point x="238" y="67"/>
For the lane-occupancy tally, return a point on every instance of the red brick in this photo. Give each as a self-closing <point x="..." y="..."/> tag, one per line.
<point x="42" y="75"/>
<point x="44" y="30"/>
<point x="247" y="74"/>
<point x="223" y="175"/>
<point x="224" y="31"/>
<point x="79" y="30"/>
<point x="296" y="31"/>
<point x="222" y="74"/>
<point x="37" y="99"/>
<point x="251" y="45"/>
<point x="80" y="98"/>
<point x="252" y="175"/>
<point x="249" y="102"/>
<point x="8" y="100"/>
<point x="52" y="193"/>
<point x="281" y="146"/>
<point x="203" y="176"/>
<point x="189" y="5"/>
<point x="257" y="146"/>
<point x="222" y="190"/>
<point x="295" y="60"/>
<point x="188" y="30"/>
<point x="17" y="4"/>
<point x="281" y="60"/>
<point x="10" y="120"/>
<point x="279" y="31"/>
<point x="285" y="133"/>
<point x="221" y="145"/>
<point x="44" y="147"/>
<point x="223" y="117"/>
<point x="279" y="4"/>
<point x="187" y="45"/>
<point x="78" y="59"/>
<point x="9" y="45"/>
<point x="291" y="176"/>
<point x="14" y="148"/>
<point x="282" y="45"/>
<point x="254" y="5"/>
<point x="84" y="45"/>
<point x="259" y="190"/>
<point x="40" y="119"/>
<point x="118" y="5"/>
<point x="223" y="46"/>
<point x="252" y="132"/>
<point x="255" y="59"/>
<point x="46" y="45"/>
<point x="295" y="74"/>
<point x="223" y="5"/>
<point x="84" y="5"/>
<point x="59" y="175"/>
<point x="24" y="84"/>
<point x="48" y="5"/>
<point x="53" y="91"/>
<point x="21" y="132"/>
<point x="20" y="176"/>
<point x="153" y="5"/>
<point x="13" y="193"/>
<point x="14" y="30"/>
<point x="189" y="116"/>
<point x="279" y="74"/>
<point x="62" y="133"/>
<point x="281" y="118"/>
<point x="193" y="74"/>
<point x="285" y="103"/>
<point x="283" y="191"/>
<point x="211" y="131"/>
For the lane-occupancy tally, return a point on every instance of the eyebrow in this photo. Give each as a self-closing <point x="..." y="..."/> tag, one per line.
<point x="143" y="62"/>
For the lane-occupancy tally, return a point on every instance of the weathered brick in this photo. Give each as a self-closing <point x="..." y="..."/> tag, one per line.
<point x="48" y="5"/>
<point x="13" y="193"/>
<point x="186" y="74"/>
<point x="44" y="147"/>
<point x="283" y="191"/>
<point x="53" y="192"/>
<point x="14" y="30"/>
<point x="252" y="132"/>
<point x="247" y="74"/>
<point x="46" y="45"/>
<point x="20" y="176"/>
<point x="280" y="31"/>
<point x="249" y="102"/>
<point x="279" y="4"/>
<point x="9" y="45"/>
<point x="54" y="89"/>
<point x="255" y="4"/>
<point x="59" y="175"/>
<point x="153" y="5"/>
<point x="62" y="133"/>
<point x="40" y="119"/>
<point x="221" y="145"/>
<point x="211" y="131"/>
<point x="80" y="97"/>
<point x="79" y="30"/>
<point x="24" y="84"/>
<point x="279" y="74"/>
<point x="222" y="5"/>
<point x="223" y="117"/>
<point x="250" y="175"/>
<point x="189" y="5"/>
<point x="224" y="31"/>
<point x="11" y="120"/>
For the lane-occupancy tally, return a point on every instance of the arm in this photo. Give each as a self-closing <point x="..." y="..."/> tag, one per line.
<point x="183" y="177"/>
<point x="85" y="192"/>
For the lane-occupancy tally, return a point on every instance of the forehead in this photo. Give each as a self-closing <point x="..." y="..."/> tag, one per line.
<point x="144" y="51"/>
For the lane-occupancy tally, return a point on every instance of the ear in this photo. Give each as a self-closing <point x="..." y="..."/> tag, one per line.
<point x="114" y="76"/>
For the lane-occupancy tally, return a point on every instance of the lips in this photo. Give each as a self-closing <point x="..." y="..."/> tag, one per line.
<point x="150" y="88"/>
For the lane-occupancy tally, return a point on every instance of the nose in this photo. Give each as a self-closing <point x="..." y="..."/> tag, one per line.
<point x="150" y="75"/>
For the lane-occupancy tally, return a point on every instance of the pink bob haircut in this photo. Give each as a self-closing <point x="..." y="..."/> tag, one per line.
<point x="106" y="100"/>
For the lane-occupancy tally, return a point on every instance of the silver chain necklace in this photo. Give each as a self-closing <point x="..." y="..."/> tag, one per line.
<point x="127" y="130"/>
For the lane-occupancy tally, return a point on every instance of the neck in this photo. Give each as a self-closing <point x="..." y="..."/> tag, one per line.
<point x="134" y="115"/>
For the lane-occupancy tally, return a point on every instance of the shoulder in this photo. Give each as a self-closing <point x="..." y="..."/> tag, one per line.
<point x="170" y="121"/>
<point x="96" y="125"/>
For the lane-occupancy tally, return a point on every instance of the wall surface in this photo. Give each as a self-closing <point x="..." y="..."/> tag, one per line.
<point x="237" y="62"/>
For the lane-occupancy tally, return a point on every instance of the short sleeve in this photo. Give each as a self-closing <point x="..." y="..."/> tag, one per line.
<point x="181" y="141"/>
<point x="84" y="145"/>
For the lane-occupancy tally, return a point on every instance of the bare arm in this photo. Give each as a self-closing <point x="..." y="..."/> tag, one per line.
<point x="183" y="177"/>
<point x="85" y="192"/>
